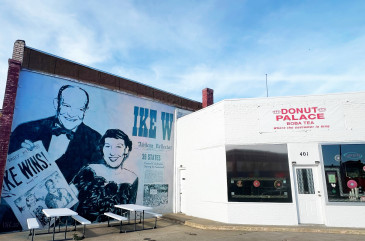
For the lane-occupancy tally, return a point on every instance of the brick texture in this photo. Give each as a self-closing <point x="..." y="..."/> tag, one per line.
<point x="207" y="95"/>
<point x="6" y="118"/>
<point x="18" y="50"/>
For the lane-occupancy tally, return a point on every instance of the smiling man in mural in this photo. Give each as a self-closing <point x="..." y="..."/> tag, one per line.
<point x="68" y="141"/>
<point x="66" y="138"/>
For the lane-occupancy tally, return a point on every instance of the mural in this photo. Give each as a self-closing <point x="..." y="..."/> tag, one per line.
<point x="85" y="148"/>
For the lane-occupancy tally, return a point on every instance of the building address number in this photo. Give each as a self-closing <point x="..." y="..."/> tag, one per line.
<point x="304" y="153"/>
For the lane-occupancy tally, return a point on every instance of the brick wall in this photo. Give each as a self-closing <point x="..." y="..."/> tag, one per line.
<point x="18" y="50"/>
<point x="6" y="118"/>
<point x="207" y="95"/>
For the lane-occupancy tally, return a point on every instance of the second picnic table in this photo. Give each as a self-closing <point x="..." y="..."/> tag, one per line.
<point x="134" y="208"/>
<point x="57" y="213"/>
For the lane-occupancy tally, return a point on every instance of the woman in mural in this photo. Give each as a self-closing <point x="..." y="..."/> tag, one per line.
<point x="101" y="186"/>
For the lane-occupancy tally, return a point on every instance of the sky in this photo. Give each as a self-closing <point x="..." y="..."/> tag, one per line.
<point x="304" y="47"/>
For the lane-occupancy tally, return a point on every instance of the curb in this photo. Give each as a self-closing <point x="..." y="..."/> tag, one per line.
<point x="251" y="228"/>
<point x="276" y="229"/>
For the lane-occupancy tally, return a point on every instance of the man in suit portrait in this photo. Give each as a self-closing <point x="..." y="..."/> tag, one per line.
<point x="66" y="138"/>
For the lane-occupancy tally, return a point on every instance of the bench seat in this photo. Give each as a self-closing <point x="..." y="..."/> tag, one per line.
<point x="32" y="224"/>
<point x="155" y="215"/>
<point x="82" y="221"/>
<point x="117" y="217"/>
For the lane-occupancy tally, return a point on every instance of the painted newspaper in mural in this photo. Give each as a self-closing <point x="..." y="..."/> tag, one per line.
<point x="96" y="148"/>
<point x="32" y="182"/>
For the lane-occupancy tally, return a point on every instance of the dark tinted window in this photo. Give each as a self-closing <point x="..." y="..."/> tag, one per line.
<point x="258" y="173"/>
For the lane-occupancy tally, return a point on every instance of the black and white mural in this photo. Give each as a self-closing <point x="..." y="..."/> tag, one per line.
<point x="86" y="148"/>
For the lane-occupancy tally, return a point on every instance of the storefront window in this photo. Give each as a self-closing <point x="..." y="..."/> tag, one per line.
<point x="344" y="167"/>
<point x="258" y="173"/>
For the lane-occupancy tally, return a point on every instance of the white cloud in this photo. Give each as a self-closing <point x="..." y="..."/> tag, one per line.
<point x="187" y="46"/>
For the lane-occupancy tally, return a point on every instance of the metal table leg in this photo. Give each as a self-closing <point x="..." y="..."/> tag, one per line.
<point x="49" y="224"/>
<point x="66" y="228"/>
<point x="142" y="219"/>
<point x="54" y="227"/>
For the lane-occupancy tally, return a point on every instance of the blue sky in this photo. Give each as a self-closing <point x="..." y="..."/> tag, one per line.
<point x="305" y="47"/>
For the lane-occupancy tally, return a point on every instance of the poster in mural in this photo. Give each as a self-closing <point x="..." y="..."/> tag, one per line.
<point x="155" y="195"/>
<point x="105" y="145"/>
<point x="32" y="182"/>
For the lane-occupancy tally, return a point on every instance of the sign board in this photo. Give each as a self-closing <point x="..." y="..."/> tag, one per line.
<point x="301" y="117"/>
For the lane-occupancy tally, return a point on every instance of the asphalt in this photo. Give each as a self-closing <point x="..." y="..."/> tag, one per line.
<point x="183" y="227"/>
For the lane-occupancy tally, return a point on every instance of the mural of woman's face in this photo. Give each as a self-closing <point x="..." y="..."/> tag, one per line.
<point x="115" y="152"/>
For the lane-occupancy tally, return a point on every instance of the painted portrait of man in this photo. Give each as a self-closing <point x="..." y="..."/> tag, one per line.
<point x="66" y="138"/>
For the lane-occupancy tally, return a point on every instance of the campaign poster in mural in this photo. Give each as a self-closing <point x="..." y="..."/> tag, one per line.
<point x="32" y="182"/>
<point x="105" y="148"/>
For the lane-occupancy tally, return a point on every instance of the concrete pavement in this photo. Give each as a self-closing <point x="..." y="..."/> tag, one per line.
<point x="212" y="225"/>
<point x="182" y="227"/>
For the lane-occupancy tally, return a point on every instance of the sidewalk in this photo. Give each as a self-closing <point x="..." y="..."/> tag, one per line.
<point x="187" y="228"/>
<point x="206" y="224"/>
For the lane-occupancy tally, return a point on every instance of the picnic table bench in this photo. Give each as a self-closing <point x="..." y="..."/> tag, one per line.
<point x="116" y="217"/>
<point x="32" y="224"/>
<point x="155" y="215"/>
<point x="83" y="221"/>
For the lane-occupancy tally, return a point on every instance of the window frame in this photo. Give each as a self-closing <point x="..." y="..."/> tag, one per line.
<point x="274" y="198"/>
<point x="323" y="172"/>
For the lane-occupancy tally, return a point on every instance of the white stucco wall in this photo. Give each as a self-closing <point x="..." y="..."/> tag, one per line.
<point x="200" y="148"/>
<point x="201" y="153"/>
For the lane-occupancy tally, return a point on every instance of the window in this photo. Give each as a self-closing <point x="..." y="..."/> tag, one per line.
<point x="344" y="167"/>
<point x="305" y="181"/>
<point x="258" y="173"/>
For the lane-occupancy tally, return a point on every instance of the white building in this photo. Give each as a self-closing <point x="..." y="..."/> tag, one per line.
<point x="274" y="161"/>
